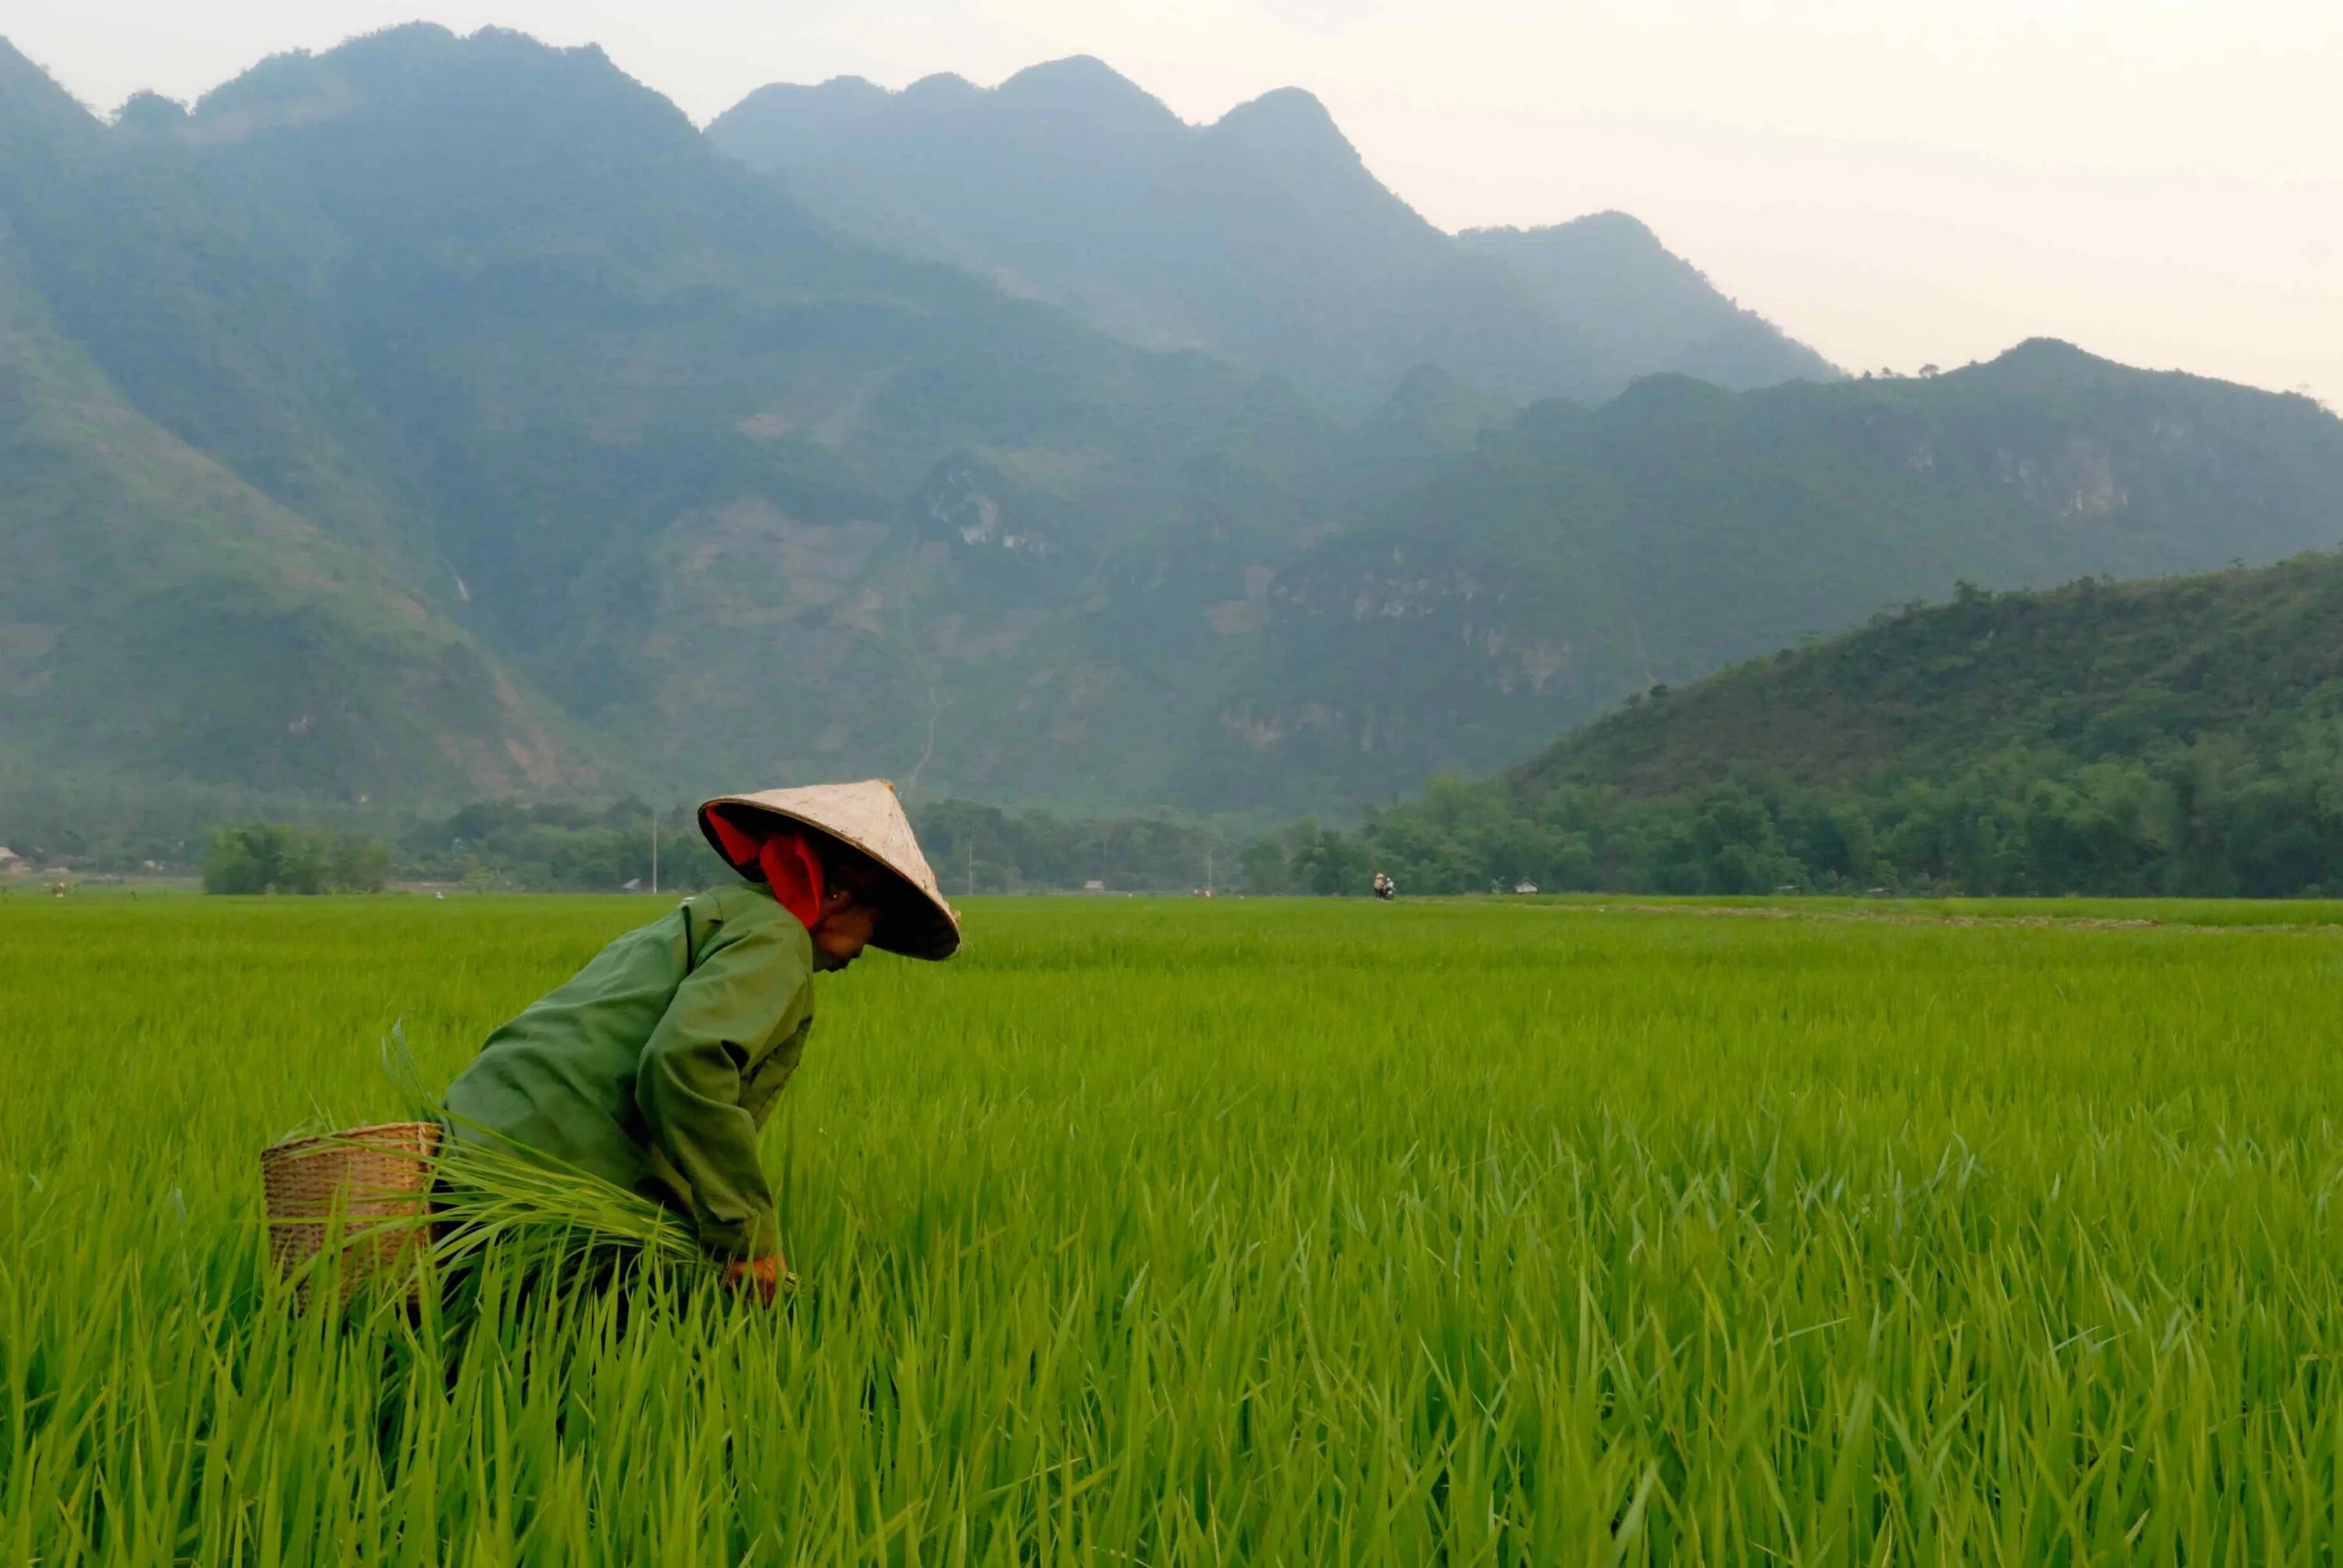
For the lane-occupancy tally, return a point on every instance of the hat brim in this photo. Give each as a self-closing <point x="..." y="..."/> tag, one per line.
<point x="915" y="924"/>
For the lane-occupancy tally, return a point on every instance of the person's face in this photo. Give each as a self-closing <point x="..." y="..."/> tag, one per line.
<point x="844" y="929"/>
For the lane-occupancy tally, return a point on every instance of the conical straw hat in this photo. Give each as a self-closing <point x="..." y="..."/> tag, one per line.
<point x="867" y="817"/>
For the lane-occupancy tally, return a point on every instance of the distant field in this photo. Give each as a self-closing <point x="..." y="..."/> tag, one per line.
<point x="2147" y="912"/>
<point x="1170" y="1232"/>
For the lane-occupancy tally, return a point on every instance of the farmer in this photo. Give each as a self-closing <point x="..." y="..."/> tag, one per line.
<point x="656" y="1065"/>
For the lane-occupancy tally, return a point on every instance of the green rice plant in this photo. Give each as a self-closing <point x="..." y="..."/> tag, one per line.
<point x="490" y="1197"/>
<point x="1240" y="1232"/>
<point x="541" y="1217"/>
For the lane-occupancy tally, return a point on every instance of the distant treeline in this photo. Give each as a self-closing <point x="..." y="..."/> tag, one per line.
<point x="2208" y="820"/>
<point x="987" y="849"/>
<point x="2205" y="821"/>
<point x="972" y="846"/>
<point x="281" y="858"/>
<point x="512" y="846"/>
<point x="505" y="846"/>
<point x="2178" y="737"/>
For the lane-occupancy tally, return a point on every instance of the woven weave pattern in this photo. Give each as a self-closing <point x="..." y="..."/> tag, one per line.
<point x="369" y="1183"/>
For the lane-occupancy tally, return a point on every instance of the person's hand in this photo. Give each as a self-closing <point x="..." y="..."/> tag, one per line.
<point x="761" y="1275"/>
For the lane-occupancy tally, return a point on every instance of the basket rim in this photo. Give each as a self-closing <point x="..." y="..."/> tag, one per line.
<point x="341" y="1138"/>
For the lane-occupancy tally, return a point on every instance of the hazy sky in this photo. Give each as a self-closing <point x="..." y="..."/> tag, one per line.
<point x="1893" y="181"/>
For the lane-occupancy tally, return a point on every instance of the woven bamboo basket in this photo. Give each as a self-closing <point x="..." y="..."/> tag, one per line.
<point x="370" y="1185"/>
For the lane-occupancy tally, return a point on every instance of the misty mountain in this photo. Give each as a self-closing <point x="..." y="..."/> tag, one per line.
<point x="1261" y="238"/>
<point x="435" y="417"/>
<point x="161" y="617"/>
<point x="1586" y="554"/>
<point x="1644" y="309"/>
<point x="746" y="497"/>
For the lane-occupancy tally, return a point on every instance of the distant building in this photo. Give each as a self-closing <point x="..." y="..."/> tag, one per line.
<point x="1094" y="886"/>
<point x="10" y="861"/>
<point x="1526" y="886"/>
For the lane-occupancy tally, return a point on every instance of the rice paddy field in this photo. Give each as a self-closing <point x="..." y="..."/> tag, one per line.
<point x="1185" y="1232"/>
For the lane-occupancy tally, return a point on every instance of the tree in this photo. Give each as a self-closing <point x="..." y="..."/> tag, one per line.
<point x="281" y="857"/>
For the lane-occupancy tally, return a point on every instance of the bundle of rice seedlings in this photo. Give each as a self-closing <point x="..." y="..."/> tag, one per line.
<point x="540" y="1218"/>
<point x="492" y="1195"/>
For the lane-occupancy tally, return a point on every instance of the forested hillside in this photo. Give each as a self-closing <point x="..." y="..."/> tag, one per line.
<point x="748" y="499"/>
<point x="162" y="618"/>
<point x="1261" y="237"/>
<point x="1584" y="554"/>
<point x="437" y="418"/>
<point x="2182" y="736"/>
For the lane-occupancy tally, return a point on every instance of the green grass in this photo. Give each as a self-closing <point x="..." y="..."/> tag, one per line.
<point x="2149" y="911"/>
<point x="1163" y="1232"/>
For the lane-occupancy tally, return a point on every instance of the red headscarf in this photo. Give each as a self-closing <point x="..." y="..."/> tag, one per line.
<point x="786" y="854"/>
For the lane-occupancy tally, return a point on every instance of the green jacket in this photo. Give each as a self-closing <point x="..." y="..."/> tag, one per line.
<point x="655" y="1067"/>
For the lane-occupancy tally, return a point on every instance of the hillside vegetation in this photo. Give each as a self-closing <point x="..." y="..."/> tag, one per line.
<point x="1580" y="556"/>
<point x="438" y="418"/>
<point x="748" y="500"/>
<point x="162" y="617"/>
<point x="2183" y="736"/>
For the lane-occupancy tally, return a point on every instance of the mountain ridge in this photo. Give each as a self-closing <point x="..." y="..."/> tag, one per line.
<point x="1640" y="299"/>
<point x="1577" y="556"/>
<point x="647" y="431"/>
<point x="1260" y="236"/>
<point x="704" y="482"/>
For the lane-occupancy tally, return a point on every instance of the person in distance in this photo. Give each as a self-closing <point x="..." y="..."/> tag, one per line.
<point x="657" y="1064"/>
